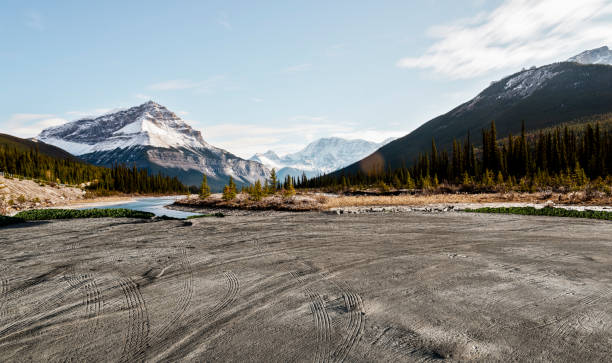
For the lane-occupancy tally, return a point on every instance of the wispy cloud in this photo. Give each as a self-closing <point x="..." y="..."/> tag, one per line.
<point x="297" y="68"/>
<point x="288" y="137"/>
<point x="516" y="34"/>
<point x="142" y="97"/>
<point x="257" y="99"/>
<point x="91" y="113"/>
<point x="31" y="124"/>
<point x="223" y="21"/>
<point x="207" y="86"/>
<point x="34" y="20"/>
<point x="24" y="117"/>
<point x="174" y="84"/>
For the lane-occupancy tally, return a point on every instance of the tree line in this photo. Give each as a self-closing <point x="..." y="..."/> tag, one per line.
<point x="118" y="178"/>
<point x="555" y="157"/>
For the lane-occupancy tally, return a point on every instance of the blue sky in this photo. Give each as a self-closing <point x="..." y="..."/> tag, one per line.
<point x="254" y="76"/>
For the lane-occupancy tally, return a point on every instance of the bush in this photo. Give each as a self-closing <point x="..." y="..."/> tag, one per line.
<point x="7" y="221"/>
<point x="21" y="199"/>
<point x="546" y="211"/>
<point x="45" y="214"/>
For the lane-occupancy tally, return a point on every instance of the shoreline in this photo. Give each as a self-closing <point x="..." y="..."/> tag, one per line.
<point x="373" y="204"/>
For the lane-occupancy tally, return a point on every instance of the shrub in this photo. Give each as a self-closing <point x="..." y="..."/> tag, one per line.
<point x="21" y="199"/>
<point x="45" y="214"/>
<point x="546" y="211"/>
<point x="7" y="221"/>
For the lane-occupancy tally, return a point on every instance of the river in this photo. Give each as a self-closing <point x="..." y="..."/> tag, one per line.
<point x="154" y="205"/>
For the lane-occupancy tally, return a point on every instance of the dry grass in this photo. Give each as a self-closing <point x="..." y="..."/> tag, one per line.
<point x="577" y="198"/>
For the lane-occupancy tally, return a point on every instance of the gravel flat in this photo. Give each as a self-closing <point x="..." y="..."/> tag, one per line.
<point x="308" y="287"/>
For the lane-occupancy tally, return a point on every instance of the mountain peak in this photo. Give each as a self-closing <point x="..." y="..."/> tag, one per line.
<point x="602" y="55"/>
<point x="149" y="124"/>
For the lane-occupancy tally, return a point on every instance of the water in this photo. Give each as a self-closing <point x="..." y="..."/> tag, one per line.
<point x="152" y="205"/>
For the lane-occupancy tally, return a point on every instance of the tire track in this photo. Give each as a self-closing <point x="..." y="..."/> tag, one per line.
<point x="356" y="325"/>
<point x="185" y="296"/>
<point x="48" y="306"/>
<point x="233" y="288"/>
<point x="321" y="320"/>
<point x="137" y="336"/>
<point x="178" y="350"/>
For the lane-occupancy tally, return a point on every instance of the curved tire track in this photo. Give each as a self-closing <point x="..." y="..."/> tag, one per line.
<point x="356" y="325"/>
<point x="137" y="336"/>
<point x="321" y="320"/>
<point x="185" y="296"/>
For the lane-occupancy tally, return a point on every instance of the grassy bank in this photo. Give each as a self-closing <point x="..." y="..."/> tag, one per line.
<point x="50" y="214"/>
<point x="546" y="211"/>
<point x="46" y="214"/>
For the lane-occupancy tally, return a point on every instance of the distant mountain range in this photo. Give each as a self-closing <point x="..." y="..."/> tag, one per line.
<point x="319" y="157"/>
<point x="152" y="137"/>
<point x="542" y="97"/>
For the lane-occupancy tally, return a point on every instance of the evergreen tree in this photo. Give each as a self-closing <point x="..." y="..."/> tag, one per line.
<point x="273" y="181"/>
<point x="204" y="189"/>
<point x="289" y="189"/>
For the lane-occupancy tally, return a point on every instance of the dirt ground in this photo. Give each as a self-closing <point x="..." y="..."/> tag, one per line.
<point x="17" y="195"/>
<point x="279" y="286"/>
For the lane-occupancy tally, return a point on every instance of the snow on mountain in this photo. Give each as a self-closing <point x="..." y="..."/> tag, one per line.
<point x="601" y="55"/>
<point x="319" y="157"/>
<point x="152" y="137"/>
<point x="149" y="124"/>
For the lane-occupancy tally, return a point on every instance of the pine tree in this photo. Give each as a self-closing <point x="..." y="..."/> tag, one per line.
<point x="273" y="181"/>
<point x="289" y="189"/>
<point x="204" y="189"/>
<point x="229" y="191"/>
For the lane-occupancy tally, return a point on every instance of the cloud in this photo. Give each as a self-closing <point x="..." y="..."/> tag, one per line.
<point x="142" y="97"/>
<point x="516" y="34"/>
<point x="223" y="21"/>
<point x="297" y="68"/>
<point x="247" y="139"/>
<point x="23" y="117"/>
<point x="175" y="84"/>
<point x="34" y="21"/>
<point x="207" y="86"/>
<point x="31" y="124"/>
<point x="257" y="99"/>
<point x="91" y="113"/>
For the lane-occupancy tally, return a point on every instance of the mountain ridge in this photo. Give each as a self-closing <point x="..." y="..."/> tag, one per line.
<point x="321" y="156"/>
<point x="541" y="96"/>
<point x="151" y="136"/>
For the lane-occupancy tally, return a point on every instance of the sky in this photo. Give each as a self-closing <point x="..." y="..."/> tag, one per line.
<point x="255" y="76"/>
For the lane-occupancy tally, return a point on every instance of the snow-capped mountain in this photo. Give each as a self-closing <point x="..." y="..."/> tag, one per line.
<point x="601" y="55"/>
<point x="541" y="97"/>
<point x="319" y="157"/>
<point x="155" y="138"/>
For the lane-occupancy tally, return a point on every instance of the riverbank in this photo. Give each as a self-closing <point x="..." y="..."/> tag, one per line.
<point x="19" y="195"/>
<point x="355" y="204"/>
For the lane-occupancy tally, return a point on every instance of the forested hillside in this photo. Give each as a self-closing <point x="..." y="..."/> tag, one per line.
<point x="571" y="156"/>
<point x="541" y="97"/>
<point x="24" y="161"/>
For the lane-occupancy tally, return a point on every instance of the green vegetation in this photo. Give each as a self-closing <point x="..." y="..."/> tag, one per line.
<point x="546" y="211"/>
<point x="561" y="159"/>
<point x="204" y="189"/>
<point x="229" y="191"/>
<point x="47" y="214"/>
<point x="7" y="221"/>
<point x="289" y="190"/>
<point x="33" y="164"/>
